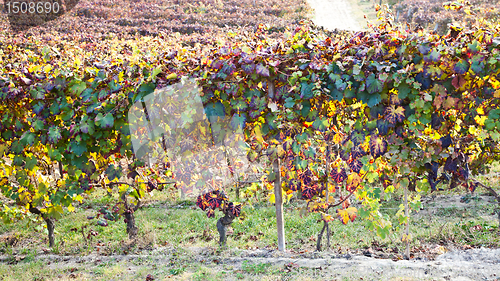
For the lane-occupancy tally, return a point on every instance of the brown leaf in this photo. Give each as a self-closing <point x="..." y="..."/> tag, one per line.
<point x="458" y="82"/>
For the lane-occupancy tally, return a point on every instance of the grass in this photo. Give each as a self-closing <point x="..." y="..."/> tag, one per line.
<point x="189" y="227"/>
<point x="181" y="225"/>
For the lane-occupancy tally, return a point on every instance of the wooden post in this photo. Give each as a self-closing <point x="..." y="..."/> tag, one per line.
<point x="278" y="197"/>
<point x="407" y="251"/>
<point x="327" y="193"/>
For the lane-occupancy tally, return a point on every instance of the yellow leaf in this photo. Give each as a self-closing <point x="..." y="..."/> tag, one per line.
<point x="272" y="199"/>
<point x="480" y="111"/>
<point x="79" y="198"/>
<point x="436" y="136"/>
<point x="322" y="149"/>
<point x="172" y="76"/>
<point x="353" y="181"/>
<point x="347" y="214"/>
<point x="472" y="130"/>
<point x="71" y="208"/>
<point x="337" y="138"/>
<point x="497" y="94"/>
<point x="78" y="62"/>
<point x="494" y="83"/>
<point x="480" y="120"/>
<point x="327" y="217"/>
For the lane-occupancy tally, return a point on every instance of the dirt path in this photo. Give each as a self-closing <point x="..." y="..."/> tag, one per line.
<point x="333" y="14"/>
<point x="474" y="264"/>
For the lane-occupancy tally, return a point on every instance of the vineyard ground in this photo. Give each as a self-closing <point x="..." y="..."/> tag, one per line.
<point x="459" y="240"/>
<point x="208" y="263"/>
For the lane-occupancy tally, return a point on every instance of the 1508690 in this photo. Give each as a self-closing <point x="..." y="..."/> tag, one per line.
<point x="24" y="7"/>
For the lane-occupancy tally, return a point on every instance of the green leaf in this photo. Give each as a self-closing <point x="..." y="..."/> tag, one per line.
<point x="373" y="84"/>
<point x="67" y="115"/>
<point x="28" y="138"/>
<point x="403" y="90"/>
<point x="306" y="90"/>
<point x="461" y="67"/>
<point x="87" y="128"/>
<point x="54" y="154"/>
<point x="238" y="121"/>
<point x="214" y="109"/>
<point x="494" y="114"/>
<point x="38" y="125"/>
<point x="155" y="72"/>
<point x="78" y="148"/>
<point x="373" y="100"/>
<point x="54" y="134"/>
<point x="113" y="172"/>
<point x="306" y="107"/>
<point x="289" y="102"/>
<point x="474" y="47"/>
<point x="104" y="121"/>
<point x="78" y="87"/>
<point x="320" y="124"/>
<point x="382" y="232"/>
<point x="144" y="90"/>
<point x="30" y="163"/>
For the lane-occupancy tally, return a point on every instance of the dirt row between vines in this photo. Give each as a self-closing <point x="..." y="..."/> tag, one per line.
<point x="473" y="264"/>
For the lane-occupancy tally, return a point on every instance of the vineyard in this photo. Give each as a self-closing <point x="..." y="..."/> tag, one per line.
<point x="237" y="140"/>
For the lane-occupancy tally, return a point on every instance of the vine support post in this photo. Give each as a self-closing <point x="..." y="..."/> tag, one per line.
<point x="278" y="197"/>
<point x="327" y="192"/>
<point x="327" y="199"/>
<point x="407" y="230"/>
<point x="237" y="190"/>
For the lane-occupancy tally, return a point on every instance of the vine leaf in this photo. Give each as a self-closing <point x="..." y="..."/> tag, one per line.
<point x="210" y="213"/>
<point x="461" y="67"/>
<point x="458" y="82"/>
<point x="306" y="90"/>
<point x="308" y="192"/>
<point x="338" y="174"/>
<point x="395" y="114"/>
<point x="446" y="141"/>
<point x="104" y="121"/>
<point x="54" y="134"/>
<point x="113" y="172"/>
<point x="378" y="146"/>
<point x="353" y="181"/>
<point x="355" y="165"/>
<point x="235" y="209"/>
<point x="383" y="127"/>
<point x="262" y="70"/>
<point x="374" y="85"/>
<point x="347" y="214"/>
<point x="248" y="68"/>
<point x="357" y="152"/>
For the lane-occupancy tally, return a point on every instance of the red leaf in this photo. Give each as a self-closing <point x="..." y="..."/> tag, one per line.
<point x="338" y="174"/>
<point x="378" y="146"/>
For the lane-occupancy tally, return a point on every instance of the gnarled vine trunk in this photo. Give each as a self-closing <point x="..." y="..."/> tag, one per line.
<point x="320" y="235"/>
<point x="130" y="220"/>
<point x="51" y="224"/>
<point x="129" y="216"/>
<point x="222" y="225"/>
<point x="50" y="228"/>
